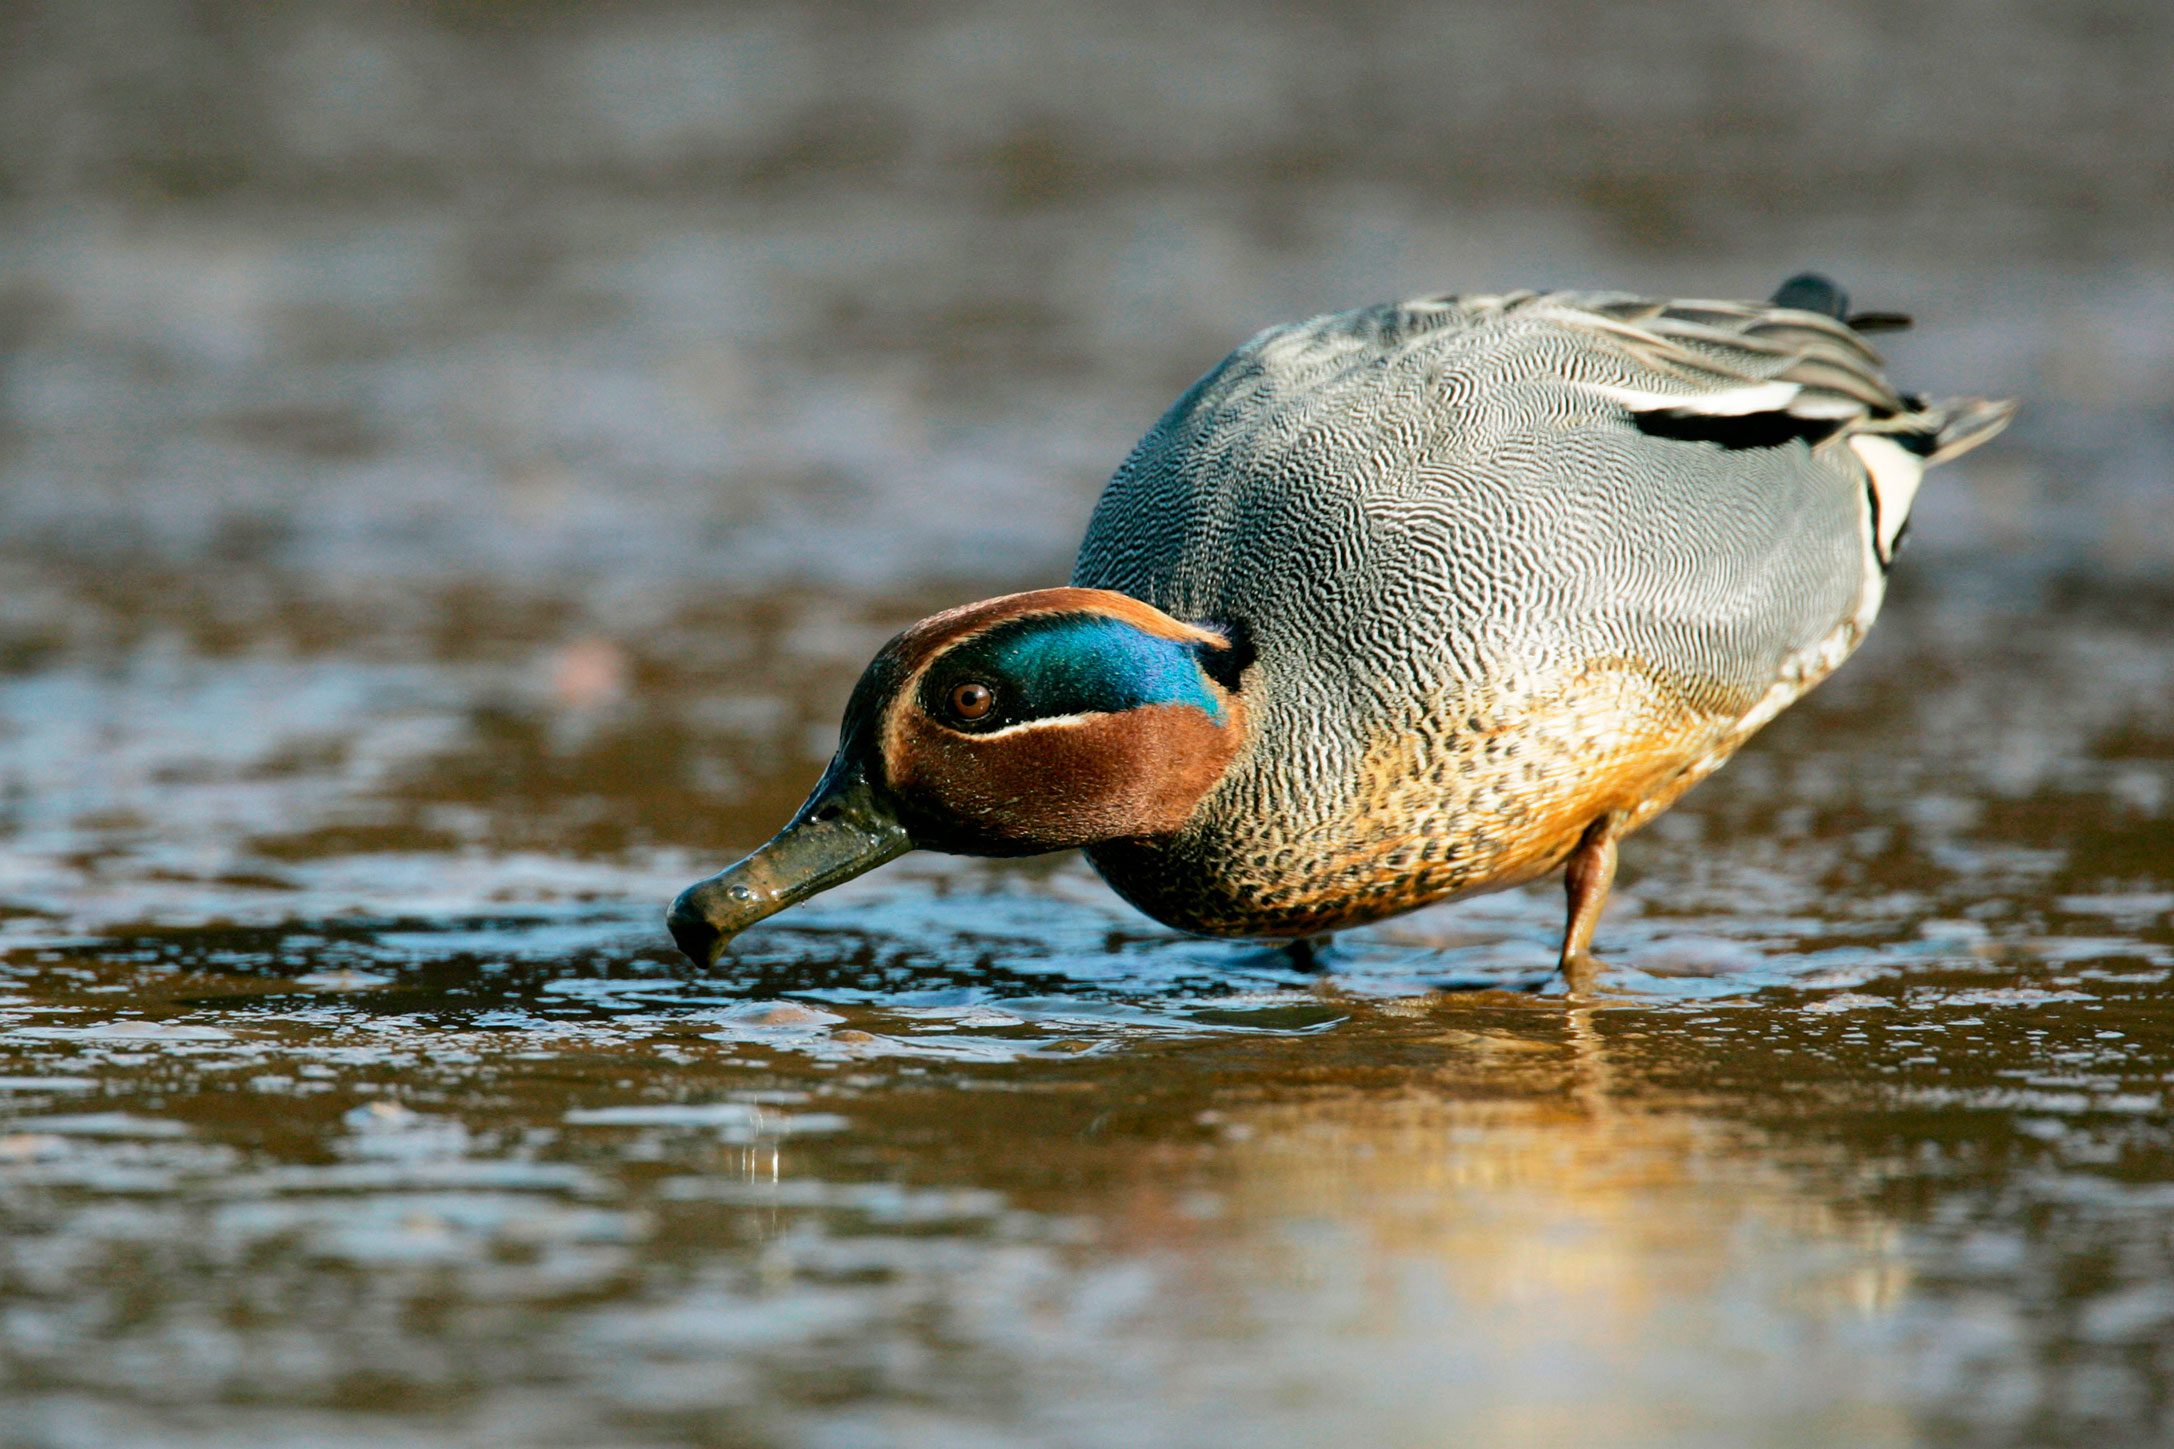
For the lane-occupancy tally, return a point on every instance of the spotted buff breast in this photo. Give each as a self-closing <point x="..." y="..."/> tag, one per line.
<point x="1398" y="605"/>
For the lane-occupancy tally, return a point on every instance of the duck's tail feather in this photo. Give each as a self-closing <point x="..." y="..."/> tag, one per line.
<point x="1811" y="292"/>
<point x="1935" y="431"/>
<point x="1965" y="422"/>
<point x="1897" y="449"/>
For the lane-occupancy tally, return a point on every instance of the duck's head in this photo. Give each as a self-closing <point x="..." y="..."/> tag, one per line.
<point x="1033" y="722"/>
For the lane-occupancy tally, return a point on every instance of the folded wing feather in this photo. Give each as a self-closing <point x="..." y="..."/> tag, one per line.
<point x="1741" y="375"/>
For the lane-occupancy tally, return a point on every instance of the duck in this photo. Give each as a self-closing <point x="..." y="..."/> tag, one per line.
<point x="1395" y="606"/>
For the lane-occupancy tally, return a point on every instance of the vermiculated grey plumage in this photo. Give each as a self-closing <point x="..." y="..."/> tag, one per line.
<point x="1500" y="557"/>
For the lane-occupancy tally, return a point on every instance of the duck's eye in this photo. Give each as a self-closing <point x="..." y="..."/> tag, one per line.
<point x="972" y="700"/>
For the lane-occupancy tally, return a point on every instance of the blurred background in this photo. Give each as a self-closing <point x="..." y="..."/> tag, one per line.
<point x="865" y="294"/>
<point x="455" y="458"/>
<point x="591" y="344"/>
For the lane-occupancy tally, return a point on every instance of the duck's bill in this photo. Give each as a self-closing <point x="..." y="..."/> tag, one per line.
<point x="843" y="830"/>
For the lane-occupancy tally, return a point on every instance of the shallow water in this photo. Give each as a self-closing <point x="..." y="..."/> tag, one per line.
<point x="455" y="459"/>
<point x="349" y="1088"/>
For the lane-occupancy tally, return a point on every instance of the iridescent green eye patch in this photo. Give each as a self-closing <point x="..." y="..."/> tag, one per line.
<point x="1050" y="665"/>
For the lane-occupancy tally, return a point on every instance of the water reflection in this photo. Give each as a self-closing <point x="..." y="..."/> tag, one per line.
<point x="1427" y="1219"/>
<point x="1443" y="1220"/>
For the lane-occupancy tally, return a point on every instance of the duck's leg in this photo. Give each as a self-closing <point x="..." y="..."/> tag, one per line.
<point x="1306" y="952"/>
<point x="1586" y="879"/>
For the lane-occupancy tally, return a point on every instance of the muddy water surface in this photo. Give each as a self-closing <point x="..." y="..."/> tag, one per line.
<point x="350" y="1092"/>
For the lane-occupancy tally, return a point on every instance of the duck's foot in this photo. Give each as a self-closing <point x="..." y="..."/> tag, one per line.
<point x="1580" y="977"/>
<point x="1581" y="973"/>
<point x="1307" y="953"/>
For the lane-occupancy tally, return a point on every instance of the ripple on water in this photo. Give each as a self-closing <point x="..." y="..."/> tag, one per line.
<point x="402" y="1112"/>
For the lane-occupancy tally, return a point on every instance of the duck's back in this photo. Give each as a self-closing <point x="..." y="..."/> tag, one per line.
<point x="1506" y="562"/>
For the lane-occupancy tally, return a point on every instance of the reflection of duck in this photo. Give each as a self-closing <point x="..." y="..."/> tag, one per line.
<point x="1398" y="605"/>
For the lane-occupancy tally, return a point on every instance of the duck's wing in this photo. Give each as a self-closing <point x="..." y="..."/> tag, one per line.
<point x="1751" y="375"/>
<point x="1717" y="483"/>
